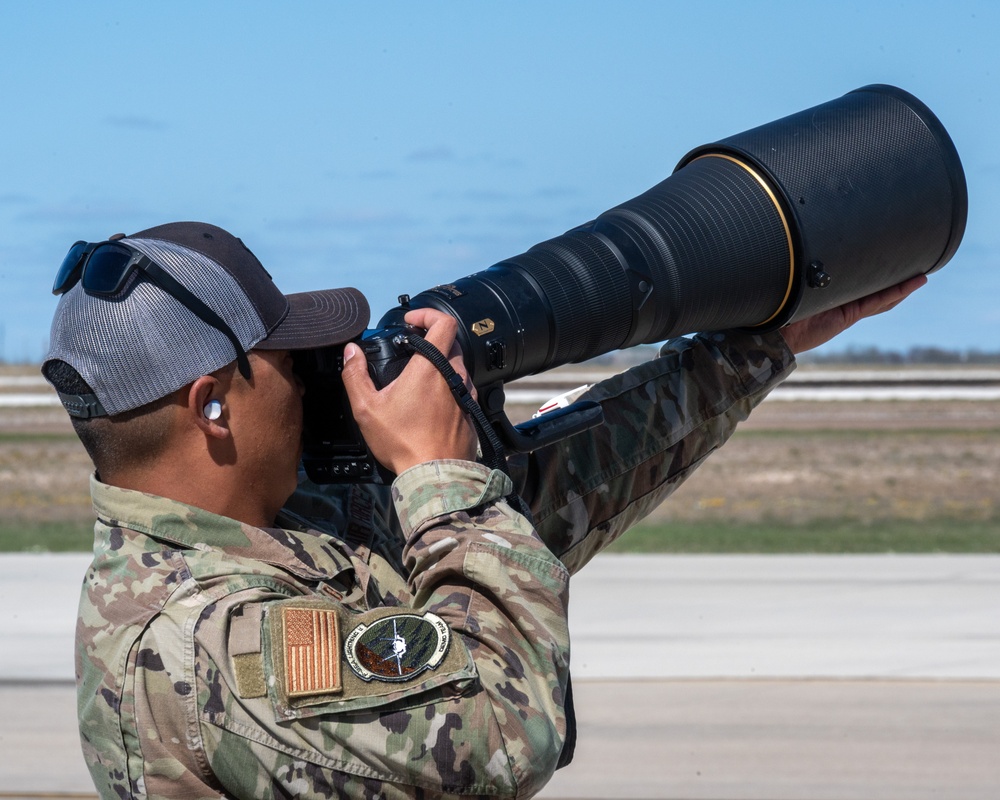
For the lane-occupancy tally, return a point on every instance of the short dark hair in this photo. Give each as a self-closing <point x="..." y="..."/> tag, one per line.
<point x="119" y="442"/>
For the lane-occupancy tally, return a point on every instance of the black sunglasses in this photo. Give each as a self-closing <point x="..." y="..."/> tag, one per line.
<point x="104" y="267"/>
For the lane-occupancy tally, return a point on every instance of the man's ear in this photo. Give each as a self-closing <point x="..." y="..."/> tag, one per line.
<point x="206" y="407"/>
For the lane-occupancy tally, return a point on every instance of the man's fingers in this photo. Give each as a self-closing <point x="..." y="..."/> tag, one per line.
<point x="888" y="299"/>
<point x="357" y="381"/>
<point x="441" y="330"/>
<point x="414" y="419"/>
<point x="811" y="332"/>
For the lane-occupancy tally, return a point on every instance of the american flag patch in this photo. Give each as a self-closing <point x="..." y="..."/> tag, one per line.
<point x="312" y="651"/>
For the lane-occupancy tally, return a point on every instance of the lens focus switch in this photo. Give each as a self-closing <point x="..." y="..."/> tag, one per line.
<point x="496" y="354"/>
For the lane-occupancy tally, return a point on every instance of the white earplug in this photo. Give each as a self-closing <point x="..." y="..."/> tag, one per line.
<point x="213" y="409"/>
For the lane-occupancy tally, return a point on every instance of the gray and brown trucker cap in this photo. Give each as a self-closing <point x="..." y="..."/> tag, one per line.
<point x="141" y="344"/>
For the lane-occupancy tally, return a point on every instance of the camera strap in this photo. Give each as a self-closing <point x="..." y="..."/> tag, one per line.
<point x="493" y="454"/>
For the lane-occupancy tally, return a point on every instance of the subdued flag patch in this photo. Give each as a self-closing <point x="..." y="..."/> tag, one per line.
<point x="312" y="651"/>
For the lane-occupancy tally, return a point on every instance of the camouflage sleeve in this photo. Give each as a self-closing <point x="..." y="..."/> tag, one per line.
<point x="481" y="566"/>
<point x="482" y="627"/>
<point x="662" y="419"/>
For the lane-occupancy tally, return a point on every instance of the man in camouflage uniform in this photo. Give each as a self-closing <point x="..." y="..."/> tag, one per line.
<point x="245" y="635"/>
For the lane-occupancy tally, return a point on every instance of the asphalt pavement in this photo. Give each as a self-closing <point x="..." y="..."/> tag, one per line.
<point x="714" y="677"/>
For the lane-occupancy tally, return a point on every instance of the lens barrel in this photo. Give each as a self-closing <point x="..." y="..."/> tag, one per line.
<point x="873" y="187"/>
<point x="765" y="227"/>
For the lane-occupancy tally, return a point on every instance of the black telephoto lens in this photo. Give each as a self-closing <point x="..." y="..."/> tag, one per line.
<point x="762" y="228"/>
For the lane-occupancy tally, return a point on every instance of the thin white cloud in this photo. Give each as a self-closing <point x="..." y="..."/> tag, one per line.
<point x="439" y="152"/>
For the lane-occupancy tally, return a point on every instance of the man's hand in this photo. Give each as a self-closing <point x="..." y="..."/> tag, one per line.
<point x="819" y="329"/>
<point x="415" y="418"/>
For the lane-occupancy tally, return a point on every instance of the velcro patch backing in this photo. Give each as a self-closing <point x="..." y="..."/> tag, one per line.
<point x="418" y="660"/>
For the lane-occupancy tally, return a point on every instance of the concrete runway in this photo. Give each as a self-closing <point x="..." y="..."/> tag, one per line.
<point x="708" y="677"/>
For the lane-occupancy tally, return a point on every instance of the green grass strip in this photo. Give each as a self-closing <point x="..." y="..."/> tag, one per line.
<point x="26" y="536"/>
<point x="13" y="437"/>
<point x="821" y="536"/>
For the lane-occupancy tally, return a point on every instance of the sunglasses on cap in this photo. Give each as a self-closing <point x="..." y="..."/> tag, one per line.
<point x="104" y="267"/>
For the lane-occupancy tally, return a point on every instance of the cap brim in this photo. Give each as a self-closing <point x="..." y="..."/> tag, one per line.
<point x="319" y="319"/>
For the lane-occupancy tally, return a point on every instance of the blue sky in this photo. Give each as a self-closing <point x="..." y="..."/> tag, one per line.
<point x="392" y="146"/>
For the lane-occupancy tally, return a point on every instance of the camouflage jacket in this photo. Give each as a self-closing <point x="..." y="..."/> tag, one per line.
<point x="382" y="643"/>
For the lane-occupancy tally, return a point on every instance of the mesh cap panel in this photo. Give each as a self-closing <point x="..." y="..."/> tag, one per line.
<point x="143" y="344"/>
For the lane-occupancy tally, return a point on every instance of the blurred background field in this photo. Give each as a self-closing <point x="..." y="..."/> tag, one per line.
<point x="798" y="477"/>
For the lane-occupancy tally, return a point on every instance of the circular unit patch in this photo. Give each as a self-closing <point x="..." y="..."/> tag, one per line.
<point x="397" y="648"/>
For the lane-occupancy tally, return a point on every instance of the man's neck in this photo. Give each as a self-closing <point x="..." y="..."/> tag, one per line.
<point x="217" y="490"/>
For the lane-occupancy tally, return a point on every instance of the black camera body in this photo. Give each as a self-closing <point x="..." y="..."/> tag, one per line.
<point x="334" y="449"/>
<point x="763" y="228"/>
